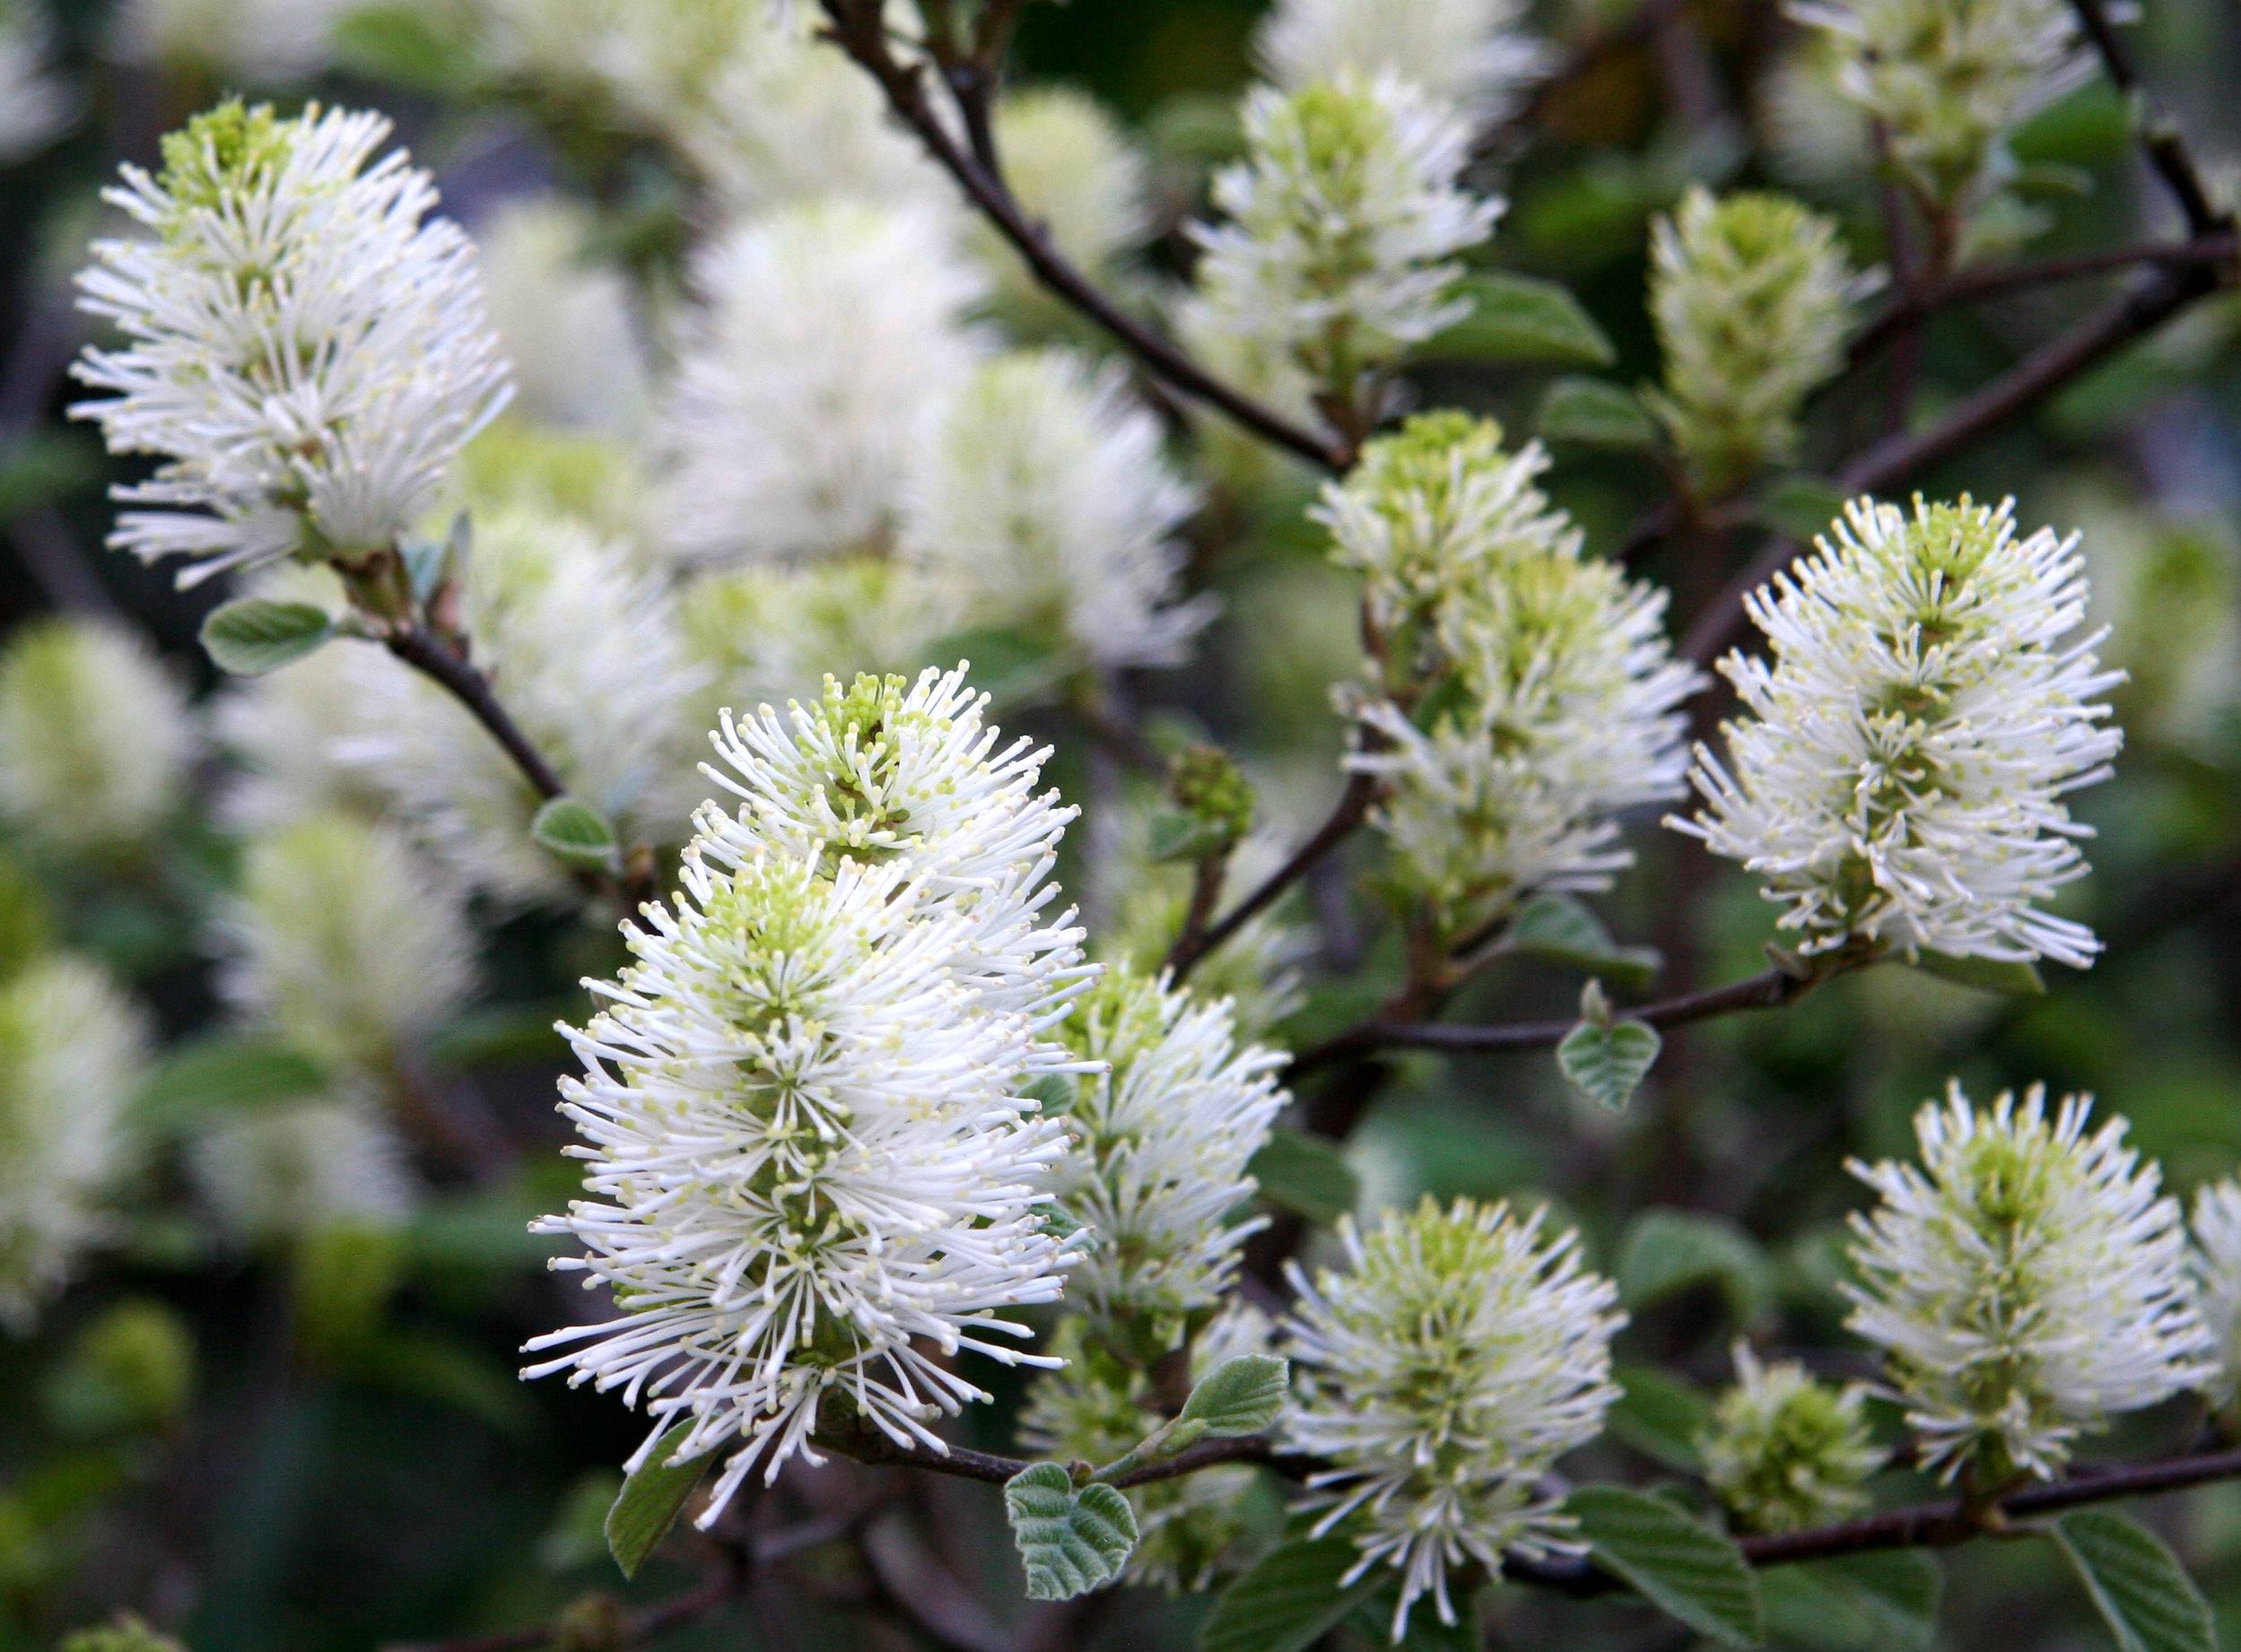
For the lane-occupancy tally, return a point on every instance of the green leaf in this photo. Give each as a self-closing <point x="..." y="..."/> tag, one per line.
<point x="651" y="1500"/>
<point x="1240" y="1396"/>
<point x="344" y="1274"/>
<point x="225" y="1070"/>
<point x="409" y="46"/>
<point x="575" y="834"/>
<point x="37" y="468"/>
<point x="1179" y="837"/>
<point x="1521" y="318"/>
<point x="1008" y="665"/>
<point x="454" y="1374"/>
<point x="2142" y="1591"/>
<point x="1885" y="1602"/>
<point x="1800" y="506"/>
<point x="1289" y="1600"/>
<point x="253" y="636"/>
<point x="1668" y="1251"/>
<point x="1072" y="1539"/>
<point x="501" y="1035"/>
<point x="2012" y="979"/>
<point x="1373" y="1622"/>
<point x="1607" y="1063"/>
<point x="1306" y="1175"/>
<point x="1673" y="1561"/>
<point x="1564" y="930"/>
<point x="1660" y="1416"/>
<point x="1594" y="413"/>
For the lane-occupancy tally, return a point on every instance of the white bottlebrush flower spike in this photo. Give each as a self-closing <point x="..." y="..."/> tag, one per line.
<point x="812" y="1171"/>
<point x="1075" y="172"/>
<point x="95" y="738"/>
<point x="250" y="42"/>
<point x="1342" y="225"/>
<point x="1899" y="773"/>
<point x="764" y="631"/>
<point x="1041" y="499"/>
<point x="2026" y="1283"/>
<point x="305" y="348"/>
<point x="2217" y="1262"/>
<point x="281" y="1175"/>
<point x="342" y="941"/>
<point x="1472" y="54"/>
<point x="1561" y="693"/>
<point x="35" y="102"/>
<point x="1751" y="295"/>
<point x="1461" y="1354"/>
<point x="842" y="307"/>
<point x="650" y="64"/>
<point x="1158" y="1140"/>
<point x="567" y="321"/>
<point x="73" y="1054"/>
<point x="1949" y="79"/>
<point x="1784" y="1451"/>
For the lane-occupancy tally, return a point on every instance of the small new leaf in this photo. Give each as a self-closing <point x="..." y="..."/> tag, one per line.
<point x="1606" y="1058"/>
<point x="1240" y="1396"/>
<point x="651" y="1500"/>
<point x="2143" y="1593"/>
<point x="1594" y="413"/>
<point x="253" y="636"/>
<point x="1071" y="1539"/>
<point x="575" y="834"/>
<point x="1564" y="930"/>
<point x="1678" y="1563"/>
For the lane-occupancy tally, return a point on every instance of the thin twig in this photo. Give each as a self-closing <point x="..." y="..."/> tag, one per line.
<point x="1349" y="812"/>
<point x="2166" y="149"/>
<point x="436" y="659"/>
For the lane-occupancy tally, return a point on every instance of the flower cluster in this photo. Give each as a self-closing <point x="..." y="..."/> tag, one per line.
<point x="2026" y="1283"/>
<point x="1159" y="1135"/>
<point x="1899" y="776"/>
<point x="305" y="348"/>
<point x="1750" y="294"/>
<point x="1472" y="54"/>
<point x="813" y="1173"/>
<point x="1784" y="1451"/>
<point x="1461" y="1354"/>
<point x="1529" y="693"/>
<point x="1343" y="224"/>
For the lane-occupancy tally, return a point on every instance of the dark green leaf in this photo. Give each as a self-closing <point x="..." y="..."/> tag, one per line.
<point x="1607" y="1064"/>
<point x="2012" y="979"/>
<point x="1240" y="1396"/>
<point x="1675" y="1561"/>
<point x="1290" y="1600"/>
<point x="1306" y="1175"/>
<point x="1594" y="413"/>
<point x="1564" y="930"/>
<point x="502" y="1035"/>
<point x="1176" y="835"/>
<point x="2142" y="1591"/>
<point x="1883" y="1602"/>
<point x="1670" y="1250"/>
<point x="226" y="1070"/>
<point x="1072" y="1539"/>
<point x="409" y="46"/>
<point x="38" y="468"/>
<point x="1521" y="318"/>
<point x="575" y="834"/>
<point x="1010" y="665"/>
<point x="651" y="1500"/>
<point x="1800" y="506"/>
<point x="1660" y="1416"/>
<point x="253" y="636"/>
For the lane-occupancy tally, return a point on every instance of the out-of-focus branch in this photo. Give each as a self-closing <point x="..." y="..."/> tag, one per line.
<point x="2165" y="144"/>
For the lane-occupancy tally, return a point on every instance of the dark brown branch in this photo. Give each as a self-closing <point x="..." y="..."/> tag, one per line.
<point x="1350" y="811"/>
<point x="857" y="27"/>
<point x="434" y="658"/>
<point x="2166" y="149"/>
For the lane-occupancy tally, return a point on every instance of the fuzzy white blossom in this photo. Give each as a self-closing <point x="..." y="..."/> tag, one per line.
<point x="1159" y="1139"/>
<point x="2217" y="1264"/>
<point x="1899" y="774"/>
<point x="1342" y="225"/>
<point x="567" y="321"/>
<point x="1041" y="497"/>
<point x="255" y="42"/>
<point x="2026" y="1283"/>
<point x="35" y="102"/>
<point x="1461" y="1355"/>
<point x="650" y="65"/>
<point x="1784" y="1451"/>
<point x="1074" y="171"/>
<point x="1262" y="367"/>
<point x="95" y="739"/>
<point x="766" y="631"/>
<point x="1948" y="80"/>
<point x="343" y="940"/>
<point x="1813" y="134"/>
<point x="305" y="348"/>
<point x="280" y="1175"/>
<point x="1751" y="297"/>
<point x="1473" y="54"/>
<point x="73" y="1050"/>
<point x="813" y="1171"/>
<point x="1560" y="691"/>
<point x="823" y="335"/>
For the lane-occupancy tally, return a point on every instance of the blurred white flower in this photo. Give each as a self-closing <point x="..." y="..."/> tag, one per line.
<point x="279" y="1174"/>
<point x="95" y="738"/>
<point x="1074" y="171"/>
<point x="1473" y="54"/>
<point x="567" y="322"/>
<point x="253" y="42"/>
<point x="1784" y="1451"/>
<point x="1900" y="773"/>
<point x="1461" y="1354"/>
<point x="1813" y="134"/>
<point x="305" y="348"/>
<point x="1342" y="225"/>
<point x="766" y="631"/>
<point x="1751" y="294"/>
<point x="1158" y="1138"/>
<point x="73" y="1053"/>
<point x="2217" y="1268"/>
<point x="1041" y="498"/>
<point x="36" y="103"/>
<point x="2026" y="1283"/>
<point x="823" y="335"/>
<point x="342" y="940"/>
<point x="652" y="65"/>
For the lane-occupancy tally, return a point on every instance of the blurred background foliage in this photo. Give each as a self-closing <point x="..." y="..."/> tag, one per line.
<point x="324" y="1449"/>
